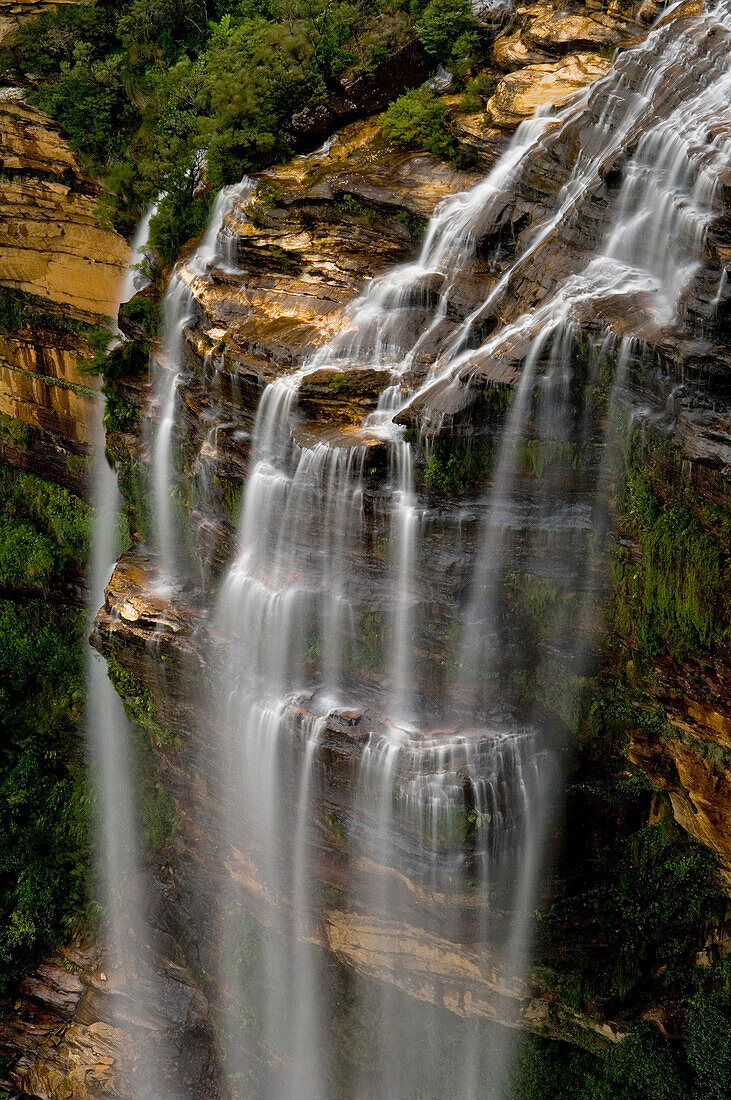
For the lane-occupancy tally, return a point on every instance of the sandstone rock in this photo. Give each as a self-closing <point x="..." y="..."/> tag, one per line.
<point x="511" y="52"/>
<point x="53" y="249"/>
<point x="15" y="12"/>
<point x="519" y="94"/>
<point x="52" y="246"/>
<point x="559" y="32"/>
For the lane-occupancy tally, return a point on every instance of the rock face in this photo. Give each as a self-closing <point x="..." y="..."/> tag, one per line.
<point x="297" y="251"/>
<point x="521" y="93"/>
<point x="61" y="274"/>
<point x="553" y="54"/>
<point x="292" y="257"/>
<point x="70" y="1032"/>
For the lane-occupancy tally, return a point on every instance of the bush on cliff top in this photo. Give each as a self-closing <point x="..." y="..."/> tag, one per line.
<point x="442" y="24"/>
<point x="418" y="120"/>
<point x="142" y="86"/>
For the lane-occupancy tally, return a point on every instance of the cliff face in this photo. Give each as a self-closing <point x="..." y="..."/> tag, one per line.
<point x="60" y="274"/>
<point x="294" y="254"/>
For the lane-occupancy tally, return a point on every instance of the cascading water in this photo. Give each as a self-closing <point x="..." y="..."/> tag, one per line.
<point x="452" y="792"/>
<point x="130" y="960"/>
<point x="177" y="308"/>
<point x="135" y="279"/>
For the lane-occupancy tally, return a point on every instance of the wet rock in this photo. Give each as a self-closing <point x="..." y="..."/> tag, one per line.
<point x="64" y="1034"/>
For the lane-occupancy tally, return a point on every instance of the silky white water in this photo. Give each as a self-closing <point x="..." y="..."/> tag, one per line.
<point x="129" y="955"/>
<point x="456" y="781"/>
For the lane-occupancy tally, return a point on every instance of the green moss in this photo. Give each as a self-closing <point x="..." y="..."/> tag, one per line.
<point x="159" y="819"/>
<point x="19" y="310"/>
<point x="139" y="700"/>
<point x="457" y="468"/>
<point x="132" y="479"/>
<point x="370" y="650"/>
<point x="20" y="433"/>
<point x="675" y="597"/>
<point x="536" y="455"/>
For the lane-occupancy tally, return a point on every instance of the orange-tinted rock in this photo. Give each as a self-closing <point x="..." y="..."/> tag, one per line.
<point x="521" y="93"/>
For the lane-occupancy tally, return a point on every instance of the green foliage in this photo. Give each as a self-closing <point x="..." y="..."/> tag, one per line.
<point x="139" y="700"/>
<point x="659" y="888"/>
<point x="19" y="310"/>
<point x="351" y="205"/>
<point x="44" y="802"/>
<point x="159" y="818"/>
<point x="676" y="597"/>
<point x="536" y="455"/>
<point x="642" y="1065"/>
<point x="43" y="797"/>
<point x="708" y="1042"/>
<point x="181" y="214"/>
<point x="141" y="86"/>
<point x="478" y="91"/>
<point x="418" y="119"/>
<point x="44" y="531"/>
<point x="16" y="430"/>
<point x="613" y="714"/>
<point x="411" y="222"/>
<point x="119" y="414"/>
<point x="442" y="24"/>
<point x="370" y="653"/>
<point x="456" y="469"/>
<point x="144" y="312"/>
<point x="133" y="485"/>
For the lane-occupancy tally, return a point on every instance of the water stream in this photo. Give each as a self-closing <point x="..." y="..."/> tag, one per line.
<point x="456" y="771"/>
<point x="130" y="954"/>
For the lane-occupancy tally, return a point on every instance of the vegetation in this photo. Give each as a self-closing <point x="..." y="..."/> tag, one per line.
<point x="44" y="800"/>
<point x="676" y="598"/>
<point x="418" y="120"/>
<point x="44" y="532"/>
<point x="141" y="86"/>
<point x="443" y="27"/>
<point x="19" y="310"/>
<point x="138" y="700"/>
<point x="456" y="469"/>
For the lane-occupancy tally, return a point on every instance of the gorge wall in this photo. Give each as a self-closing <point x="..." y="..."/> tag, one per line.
<point x="646" y="739"/>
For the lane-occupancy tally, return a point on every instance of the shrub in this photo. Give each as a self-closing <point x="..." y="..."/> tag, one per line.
<point x="442" y="24"/>
<point x="44" y="801"/>
<point x="419" y="119"/>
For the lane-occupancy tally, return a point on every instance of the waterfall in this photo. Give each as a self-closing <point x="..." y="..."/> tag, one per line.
<point x="441" y="823"/>
<point x="135" y="280"/>
<point x="177" y="309"/>
<point x="129" y="956"/>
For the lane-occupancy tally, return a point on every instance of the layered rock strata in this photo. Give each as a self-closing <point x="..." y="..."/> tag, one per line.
<point x="297" y="252"/>
<point x="60" y="274"/>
